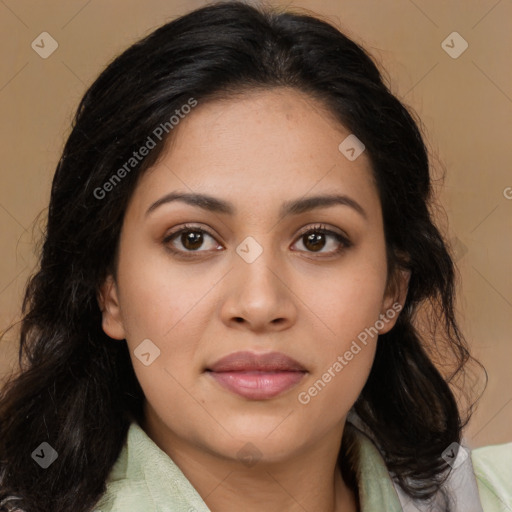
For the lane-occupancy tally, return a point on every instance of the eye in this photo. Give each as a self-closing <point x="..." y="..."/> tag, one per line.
<point x="191" y="239"/>
<point x="319" y="237"/>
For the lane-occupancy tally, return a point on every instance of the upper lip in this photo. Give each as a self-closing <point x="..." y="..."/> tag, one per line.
<point x="250" y="361"/>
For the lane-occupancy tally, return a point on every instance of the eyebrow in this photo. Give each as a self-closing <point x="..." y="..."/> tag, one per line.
<point x="294" y="207"/>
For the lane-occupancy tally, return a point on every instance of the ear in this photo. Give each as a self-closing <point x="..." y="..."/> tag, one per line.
<point x="394" y="299"/>
<point x="109" y="305"/>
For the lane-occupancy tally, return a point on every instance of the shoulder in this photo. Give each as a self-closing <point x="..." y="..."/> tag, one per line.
<point x="493" y="471"/>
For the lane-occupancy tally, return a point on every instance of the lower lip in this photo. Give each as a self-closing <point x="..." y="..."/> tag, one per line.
<point x="258" y="385"/>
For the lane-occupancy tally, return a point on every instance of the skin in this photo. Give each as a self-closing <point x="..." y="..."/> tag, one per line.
<point x="255" y="151"/>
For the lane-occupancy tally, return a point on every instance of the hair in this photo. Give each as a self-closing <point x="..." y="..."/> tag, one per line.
<point x="76" y="388"/>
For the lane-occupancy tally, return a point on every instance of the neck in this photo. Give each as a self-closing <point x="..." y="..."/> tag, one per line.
<point x="309" y="480"/>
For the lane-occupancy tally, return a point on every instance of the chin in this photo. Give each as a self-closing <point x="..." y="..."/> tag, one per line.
<point x="261" y="441"/>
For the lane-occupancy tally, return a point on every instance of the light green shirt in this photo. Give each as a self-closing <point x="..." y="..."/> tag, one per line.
<point x="145" y="479"/>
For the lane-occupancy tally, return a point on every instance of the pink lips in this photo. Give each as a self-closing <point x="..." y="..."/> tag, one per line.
<point x="257" y="376"/>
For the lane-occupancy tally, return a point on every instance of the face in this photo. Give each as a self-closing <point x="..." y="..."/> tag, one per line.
<point x="258" y="269"/>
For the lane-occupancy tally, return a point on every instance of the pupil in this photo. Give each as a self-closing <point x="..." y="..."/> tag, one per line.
<point x="192" y="240"/>
<point x="316" y="239"/>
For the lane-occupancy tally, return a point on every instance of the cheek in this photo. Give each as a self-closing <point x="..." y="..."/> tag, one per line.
<point x="349" y="305"/>
<point x="158" y="296"/>
<point x="344" y="357"/>
<point x="167" y="303"/>
<point x="328" y="397"/>
<point x="349" y="301"/>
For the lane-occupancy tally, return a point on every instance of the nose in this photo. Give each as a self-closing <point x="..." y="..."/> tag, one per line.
<point x="259" y="296"/>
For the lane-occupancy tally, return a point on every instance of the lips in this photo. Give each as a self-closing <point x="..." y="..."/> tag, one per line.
<point x="249" y="361"/>
<point x="257" y="376"/>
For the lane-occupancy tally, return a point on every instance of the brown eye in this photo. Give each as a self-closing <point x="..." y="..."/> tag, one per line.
<point x="317" y="238"/>
<point x="190" y="239"/>
<point x="314" y="241"/>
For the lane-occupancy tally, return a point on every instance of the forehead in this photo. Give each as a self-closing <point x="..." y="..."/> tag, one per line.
<point x="262" y="147"/>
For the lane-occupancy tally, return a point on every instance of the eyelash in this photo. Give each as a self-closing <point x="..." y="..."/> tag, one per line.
<point x="344" y="242"/>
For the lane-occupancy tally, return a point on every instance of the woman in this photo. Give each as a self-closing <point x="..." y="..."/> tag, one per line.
<point x="238" y="253"/>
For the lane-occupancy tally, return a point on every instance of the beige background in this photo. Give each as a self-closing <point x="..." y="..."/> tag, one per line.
<point x="465" y="104"/>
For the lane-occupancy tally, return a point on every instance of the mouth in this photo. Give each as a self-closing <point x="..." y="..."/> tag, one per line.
<point x="257" y="376"/>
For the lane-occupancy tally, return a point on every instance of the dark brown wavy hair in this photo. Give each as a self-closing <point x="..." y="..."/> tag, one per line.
<point x="76" y="388"/>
